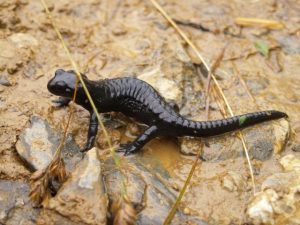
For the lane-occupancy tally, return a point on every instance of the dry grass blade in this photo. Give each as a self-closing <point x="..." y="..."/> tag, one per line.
<point x="39" y="186"/>
<point x="182" y="191"/>
<point x="191" y="44"/>
<point x="270" y="24"/>
<point x="123" y="212"/>
<point x="239" y="133"/>
<point x="78" y="74"/>
<point x="236" y="72"/>
<point x="56" y="168"/>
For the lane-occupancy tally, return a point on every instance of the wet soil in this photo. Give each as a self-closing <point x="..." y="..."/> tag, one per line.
<point x="130" y="38"/>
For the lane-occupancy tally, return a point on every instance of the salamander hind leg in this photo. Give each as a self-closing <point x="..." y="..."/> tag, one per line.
<point x="139" y="142"/>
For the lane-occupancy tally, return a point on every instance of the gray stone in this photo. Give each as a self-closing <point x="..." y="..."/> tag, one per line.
<point x="290" y="44"/>
<point x="146" y="189"/>
<point x="15" y="206"/>
<point x="257" y="85"/>
<point x="296" y="147"/>
<point x="260" y="145"/>
<point x="38" y="142"/>
<point x="82" y="198"/>
<point x="4" y="81"/>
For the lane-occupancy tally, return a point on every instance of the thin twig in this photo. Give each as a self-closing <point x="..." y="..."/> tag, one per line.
<point x="213" y="68"/>
<point x="236" y="72"/>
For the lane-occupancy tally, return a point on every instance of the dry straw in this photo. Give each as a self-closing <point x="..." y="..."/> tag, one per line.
<point x="194" y="48"/>
<point x="40" y="179"/>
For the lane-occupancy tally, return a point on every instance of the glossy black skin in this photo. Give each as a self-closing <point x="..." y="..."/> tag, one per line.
<point x="136" y="98"/>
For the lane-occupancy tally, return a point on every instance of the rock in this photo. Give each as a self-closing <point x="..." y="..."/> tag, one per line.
<point x="33" y="70"/>
<point x="15" y="52"/>
<point x="151" y="198"/>
<point x="8" y="52"/>
<point x="7" y="49"/>
<point x="190" y="145"/>
<point x="257" y="85"/>
<point x="233" y="181"/>
<point x="82" y="198"/>
<point x="38" y="142"/>
<point x="296" y="148"/>
<point x="166" y="87"/>
<point x="4" y="81"/>
<point x="281" y="130"/>
<point x="22" y="40"/>
<point x="15" y="206"/>
<point x="48" y="217"/>
<point x="260" y="144"/>
<point x="290" y="43"/>
<point x="290" y="163"/>
<point x="279" y="196"/>
<point x="135" y="190"/>
<point x="260" y="210"/>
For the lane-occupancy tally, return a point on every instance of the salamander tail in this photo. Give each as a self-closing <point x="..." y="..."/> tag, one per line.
<point x="217" y="127"/>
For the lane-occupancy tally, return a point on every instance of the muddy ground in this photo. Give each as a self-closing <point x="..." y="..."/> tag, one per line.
<point x="130" y="38"/>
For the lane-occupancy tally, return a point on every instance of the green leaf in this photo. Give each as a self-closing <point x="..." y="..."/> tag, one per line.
<point x="262" y="47"/>
<point x="242" y="120"/>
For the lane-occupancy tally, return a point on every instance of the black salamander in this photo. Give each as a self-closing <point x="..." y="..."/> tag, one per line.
<point x="136" y="98"/>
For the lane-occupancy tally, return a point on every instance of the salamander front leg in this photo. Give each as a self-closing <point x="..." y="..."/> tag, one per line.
<point x="139" y="143"/>
<point x="92" y="133"/>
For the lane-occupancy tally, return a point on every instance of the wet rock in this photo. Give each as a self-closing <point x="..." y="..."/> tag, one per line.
<point x="233" y="181"/>
<point x="38" y="142"/>
<point x="279" y="196"/>
<point x="135" y="190"/>
<point x="15" y="206"/>
<point x="146" y="189"/>
<point x="48" y="217"/>
<point x="82" y="198"/>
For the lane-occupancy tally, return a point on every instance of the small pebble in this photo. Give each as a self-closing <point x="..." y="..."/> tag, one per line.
<point x="186" y="211"/>
<point x="4" y="82"/>
<point x="296" y="148"/>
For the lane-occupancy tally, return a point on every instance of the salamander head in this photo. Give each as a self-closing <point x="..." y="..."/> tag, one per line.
<point x="63" y="83"/>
